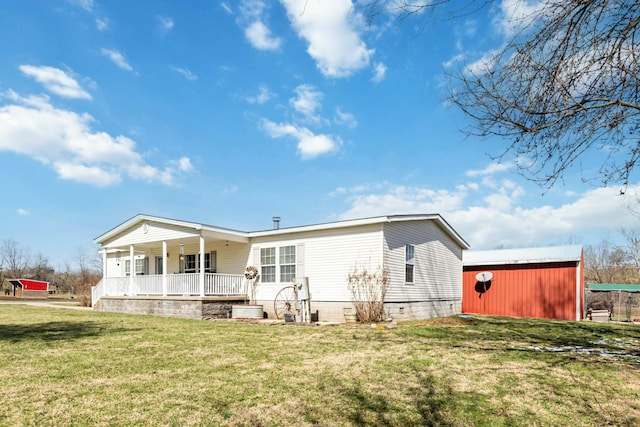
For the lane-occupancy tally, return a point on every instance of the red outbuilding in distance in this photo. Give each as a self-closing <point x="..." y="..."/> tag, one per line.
<point x="29" y="288"/>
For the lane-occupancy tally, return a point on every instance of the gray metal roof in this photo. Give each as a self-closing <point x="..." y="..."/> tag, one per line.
<point x="281" y="231"/>
<point x="523" y="255"/>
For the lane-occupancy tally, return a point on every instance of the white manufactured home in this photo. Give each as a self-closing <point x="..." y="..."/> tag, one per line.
<point x="169" y="267"/>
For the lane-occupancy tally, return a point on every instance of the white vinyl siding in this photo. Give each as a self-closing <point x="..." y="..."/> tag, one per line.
<point x="437" y="272"/>
<point x="326" y="257"/>
<point x="155" y="232"/>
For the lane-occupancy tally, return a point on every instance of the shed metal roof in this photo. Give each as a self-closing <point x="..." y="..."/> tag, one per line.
<point x="613" y="287"/>
<point x="545" y="254"/>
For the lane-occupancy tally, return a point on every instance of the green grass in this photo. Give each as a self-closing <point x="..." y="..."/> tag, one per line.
<point x="67" y="367"/>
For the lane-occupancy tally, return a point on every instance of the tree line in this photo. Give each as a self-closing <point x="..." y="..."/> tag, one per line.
<point x="609" y="262"/>
<point x="75" y="278"/>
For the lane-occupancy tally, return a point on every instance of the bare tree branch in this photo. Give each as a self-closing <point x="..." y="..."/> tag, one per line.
<point x="564" y="85"/>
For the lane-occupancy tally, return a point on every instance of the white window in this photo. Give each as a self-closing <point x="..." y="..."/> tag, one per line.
<point x="409" y="262"/>
<point x="140" y="264"/>
<point x="287" y="263"/>
<point x="210" y="262"/>
<point x="278" y="264"/>
<point x="190" y="263"/>
<point x="268" y="265"/>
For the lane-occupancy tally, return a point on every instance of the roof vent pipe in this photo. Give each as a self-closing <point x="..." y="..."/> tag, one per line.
<point x="276" y="222"/>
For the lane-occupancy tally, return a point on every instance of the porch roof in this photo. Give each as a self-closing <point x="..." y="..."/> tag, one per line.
<point x="207" y="230"/>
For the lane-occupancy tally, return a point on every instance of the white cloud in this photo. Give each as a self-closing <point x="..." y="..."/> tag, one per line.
<point x="484" y="64"/>
<point x="345" y="118"/>
<point x="226" y="8"/>
<point x="379" y="72"/>
<point x="253" y="19"/>
<point x="331" y="30"/>
<point x="56" y="81"/>
<point x="184" y="163"/>
<point x="102" y="24"/>
<point x="260" y="36"/>
<point x="514" y="15"/>
<point x="309" y="144"/>
<point x="231" y="190"/>
<point x="84" y="4"/>
<point x="497" y="217"/>
<point x="23" y="212"/>
<point x="185" y="73"/>
<point x="64" y="141"/>
<point x="166" y="23"/>
<point x="307" y="101"/>
<point x="263" y="96"/>
<point x="455" y="59"/>
<point x="490" y="169"/>
<point x="117" y="58"/>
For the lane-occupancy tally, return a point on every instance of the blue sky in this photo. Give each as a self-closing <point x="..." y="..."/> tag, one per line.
<point x="231" y="112"/>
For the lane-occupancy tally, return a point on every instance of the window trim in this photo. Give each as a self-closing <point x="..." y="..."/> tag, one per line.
<point x="267" y="257"/>
<point x="289" y="275"/>
<point x="409" y="263"/>
<point x="284" y="258"/>
<point x="140" y="271"/>
<point x="208" y="256"/>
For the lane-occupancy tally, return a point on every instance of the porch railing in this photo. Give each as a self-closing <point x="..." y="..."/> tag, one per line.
<point x="177" y="284"/>
<point x="97" y="292"/>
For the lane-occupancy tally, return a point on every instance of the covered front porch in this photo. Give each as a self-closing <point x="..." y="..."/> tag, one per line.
<point x="185" y="284"/>
<point x="152" y="257"/>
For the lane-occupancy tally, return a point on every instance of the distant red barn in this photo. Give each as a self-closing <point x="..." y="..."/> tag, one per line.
<point x="28" y="288"/>
<point x="543" y="283"/>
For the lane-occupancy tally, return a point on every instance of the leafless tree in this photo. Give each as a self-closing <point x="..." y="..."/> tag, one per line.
<point x="88" y="274"/>
<point x="565" y="84"/>
<point x="40" y="268"/>
<point x="15" y="258"/>
<point x="632" y="248"/>
<point x="604" y="262"/>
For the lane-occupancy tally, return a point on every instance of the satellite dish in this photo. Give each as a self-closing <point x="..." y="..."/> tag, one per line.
<point x="485" y="276"/>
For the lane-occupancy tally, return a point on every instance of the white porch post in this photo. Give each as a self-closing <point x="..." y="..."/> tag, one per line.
<point x="104" y="263"/>
<point x="132" y="269"/>
<point x="201" y="265"/>
<point x="164" y="268"/>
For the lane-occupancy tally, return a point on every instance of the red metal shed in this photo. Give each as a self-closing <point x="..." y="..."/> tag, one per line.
<point x="534" y="282"/>
<point x="28" y="288"/>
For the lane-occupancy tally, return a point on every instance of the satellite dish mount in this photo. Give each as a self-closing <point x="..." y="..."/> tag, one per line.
<point x="484" y="277"/>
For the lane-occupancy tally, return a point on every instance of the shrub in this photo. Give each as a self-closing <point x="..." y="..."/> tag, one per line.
<point x="368" y="291"/>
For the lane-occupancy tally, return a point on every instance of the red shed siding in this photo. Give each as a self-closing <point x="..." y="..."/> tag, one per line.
<point x="525" y="290"/>
<point x="34" y="285"/>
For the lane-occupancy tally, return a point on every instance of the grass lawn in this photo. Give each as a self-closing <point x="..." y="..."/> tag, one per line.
<point x="67" y="367"/>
